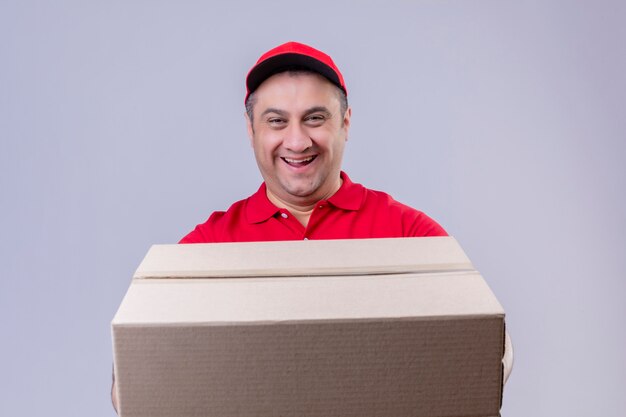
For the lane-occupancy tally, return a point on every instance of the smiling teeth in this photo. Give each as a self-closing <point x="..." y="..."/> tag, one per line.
<point x="298" y="161"/>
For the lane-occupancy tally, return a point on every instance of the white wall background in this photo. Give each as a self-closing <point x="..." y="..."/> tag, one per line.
<point x="121" y="126"/>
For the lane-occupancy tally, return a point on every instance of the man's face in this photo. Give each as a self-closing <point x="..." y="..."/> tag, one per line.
<point x="298" y="135"/>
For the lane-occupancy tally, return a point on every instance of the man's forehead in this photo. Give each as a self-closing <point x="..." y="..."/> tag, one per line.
<point x="293" y="87"/>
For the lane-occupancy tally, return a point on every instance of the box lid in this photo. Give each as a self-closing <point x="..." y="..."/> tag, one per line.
<point x="414" y="277"/>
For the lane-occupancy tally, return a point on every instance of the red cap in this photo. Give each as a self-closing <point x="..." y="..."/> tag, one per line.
<point x="293" y="55"/>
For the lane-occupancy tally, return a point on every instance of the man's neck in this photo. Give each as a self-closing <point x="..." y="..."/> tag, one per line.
<point x="301" y="210"/>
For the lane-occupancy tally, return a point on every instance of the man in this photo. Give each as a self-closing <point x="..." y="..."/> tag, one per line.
<point x="298" y="121"/>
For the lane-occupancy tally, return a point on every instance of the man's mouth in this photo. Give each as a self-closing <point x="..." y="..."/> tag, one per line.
<point x="299" y="162"/>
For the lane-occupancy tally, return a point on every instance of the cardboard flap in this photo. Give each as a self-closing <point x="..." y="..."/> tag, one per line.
<point x="220" y="302"/>
<point x="304" y="258"/>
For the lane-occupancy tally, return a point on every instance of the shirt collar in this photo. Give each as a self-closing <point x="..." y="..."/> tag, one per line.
<point x="349" y="196"/>
<point x="259" y="208"/>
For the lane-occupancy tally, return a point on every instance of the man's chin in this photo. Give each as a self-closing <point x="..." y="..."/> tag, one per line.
<point x="300" y="190"/>
<point x="300" y="193"/>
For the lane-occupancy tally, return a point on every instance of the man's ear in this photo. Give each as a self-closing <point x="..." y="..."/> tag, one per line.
<point x="249" y="127"/>
<point x="346" y="120"/>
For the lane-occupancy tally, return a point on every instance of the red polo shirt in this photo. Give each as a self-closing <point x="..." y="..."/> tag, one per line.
<point x="353" y="212"/>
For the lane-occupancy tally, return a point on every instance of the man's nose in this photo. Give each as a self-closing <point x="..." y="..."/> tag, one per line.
<point x="297" y="138"/>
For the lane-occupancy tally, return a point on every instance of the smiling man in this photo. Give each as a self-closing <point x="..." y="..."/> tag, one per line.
<point x="298" y="121"/>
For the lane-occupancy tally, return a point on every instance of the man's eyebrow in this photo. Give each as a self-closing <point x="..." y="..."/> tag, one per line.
<point x="273" y="110"/>
<point x="283" y="113"/>
<point x="316" y="109"/>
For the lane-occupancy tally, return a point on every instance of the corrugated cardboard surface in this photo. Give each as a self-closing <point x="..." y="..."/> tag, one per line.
<point x="379" y="368"/>
<point x="409" y="344"/>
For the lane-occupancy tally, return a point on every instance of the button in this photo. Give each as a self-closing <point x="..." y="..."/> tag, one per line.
<point x="284" y="215"/>
<point x="306" y="238"/>
<point x="321" y="206"/>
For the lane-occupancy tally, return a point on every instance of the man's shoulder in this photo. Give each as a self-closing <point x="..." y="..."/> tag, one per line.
<point x="384" y="200"/>
<point x="213" y="229"/>
<point x="413" y="222"/>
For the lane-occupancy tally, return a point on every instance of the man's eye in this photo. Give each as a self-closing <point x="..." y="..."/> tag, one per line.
<point x="315" y="119"/>
<point x="275" y="121"/>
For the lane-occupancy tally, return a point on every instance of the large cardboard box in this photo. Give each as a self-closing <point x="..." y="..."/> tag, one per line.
<point x="376" y="327"/>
